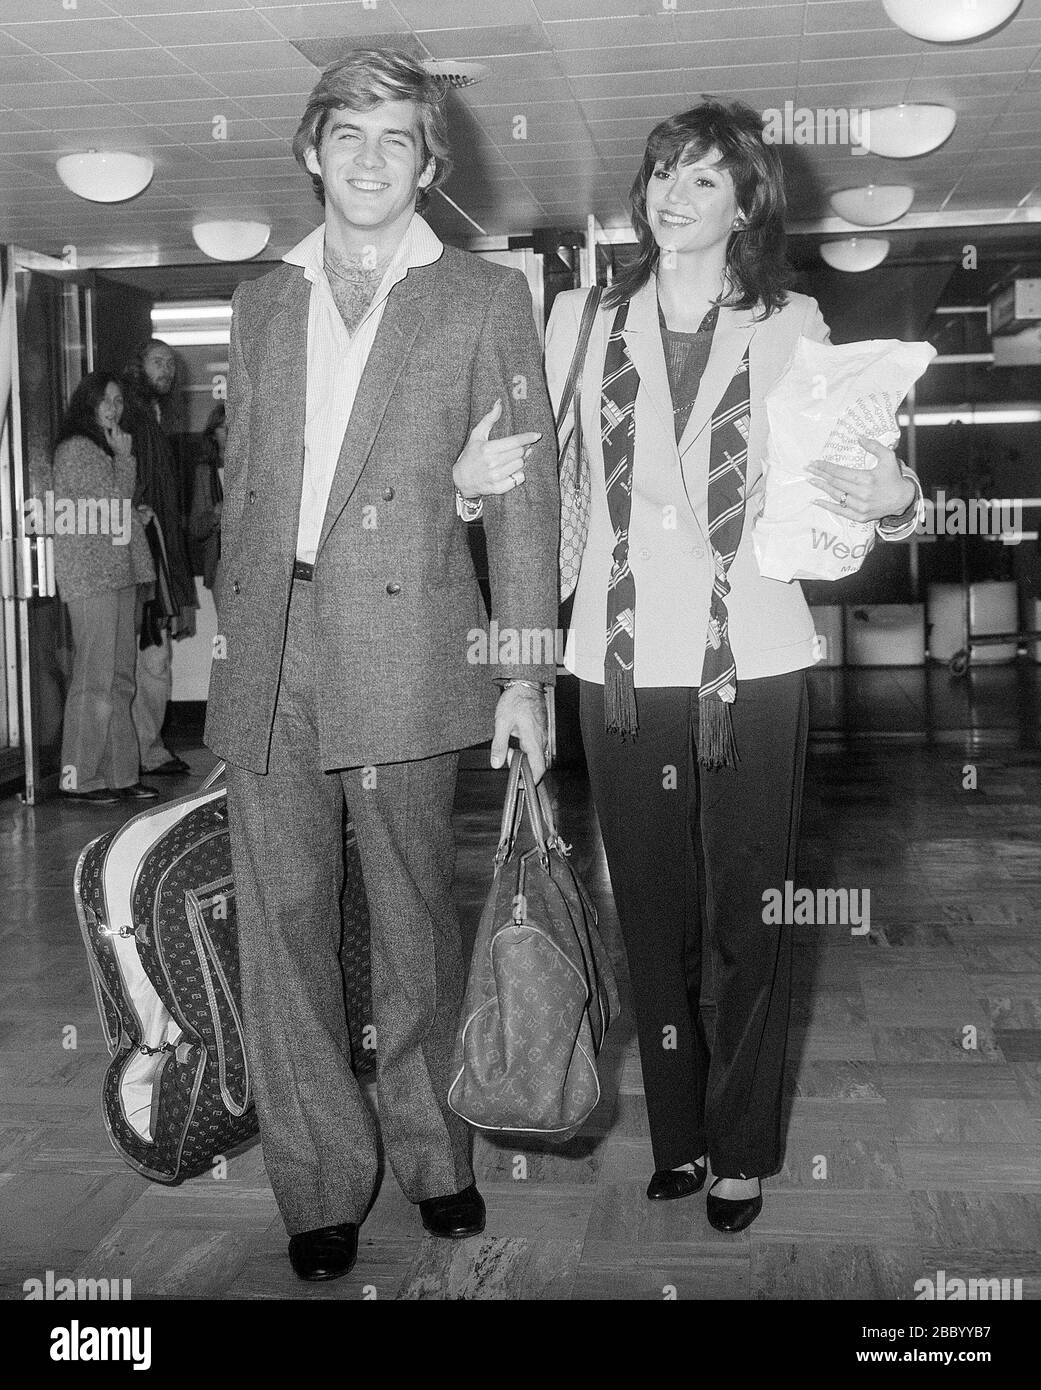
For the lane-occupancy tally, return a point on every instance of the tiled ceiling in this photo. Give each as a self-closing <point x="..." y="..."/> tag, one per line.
<point x="590" y="78"/>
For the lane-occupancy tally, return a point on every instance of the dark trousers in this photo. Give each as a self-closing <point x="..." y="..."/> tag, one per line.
<point x="652" y="801"/>
<point x="318" y="1133"/>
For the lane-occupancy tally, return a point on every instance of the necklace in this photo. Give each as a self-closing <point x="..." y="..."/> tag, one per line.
<point x="355" y="268"/>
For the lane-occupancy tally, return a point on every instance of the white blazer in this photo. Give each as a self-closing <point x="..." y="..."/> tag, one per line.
<point x="771" y="630"/>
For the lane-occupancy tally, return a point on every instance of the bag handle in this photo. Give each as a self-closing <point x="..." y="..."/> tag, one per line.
<point x="215" y="776"/>
<point x="548" y="820"/>
<point x="533" y="798"/>
<point x="573" y="386"/>
<point x="521" y="791"/>
<point x="214" y="978"/>
<point x="510" y="807"/>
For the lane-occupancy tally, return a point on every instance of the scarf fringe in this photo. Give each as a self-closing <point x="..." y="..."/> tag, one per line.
<point x="620" y="703"/>
<point x="716" y="746"/>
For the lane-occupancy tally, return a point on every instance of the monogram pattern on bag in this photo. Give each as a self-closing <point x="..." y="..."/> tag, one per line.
<point x="574" y="517"/>
<point x="538" y="1003"/>
<point x="201" y="1085"/>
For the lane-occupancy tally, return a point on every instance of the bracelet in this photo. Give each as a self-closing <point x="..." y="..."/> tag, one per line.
<point x="911" y="510"/>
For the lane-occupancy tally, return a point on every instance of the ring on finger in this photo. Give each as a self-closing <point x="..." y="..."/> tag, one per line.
<point x="842" y="500"/>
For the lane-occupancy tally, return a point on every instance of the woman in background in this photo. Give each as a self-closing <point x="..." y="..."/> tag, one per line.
<point x="208" y="497"/>
<point x="691" y="664"/>
<point x="97" y="573"/>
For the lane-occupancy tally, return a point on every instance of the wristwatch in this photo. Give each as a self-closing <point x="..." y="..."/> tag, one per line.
<point x="468" y="508"/>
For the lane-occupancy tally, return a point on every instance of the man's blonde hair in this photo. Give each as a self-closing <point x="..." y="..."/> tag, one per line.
<point x="364" y="79"/>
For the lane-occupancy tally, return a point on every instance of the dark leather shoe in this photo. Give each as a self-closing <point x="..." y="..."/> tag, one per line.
<point x="729" y="1214"/>
<point x="173" y="767"/>
<point x="326" y="1253"/>
<point x="140" y="791"/>
<point x="455" y="1217"/>
<point x="101" y="796"/>
<point x="670" y="1183"/>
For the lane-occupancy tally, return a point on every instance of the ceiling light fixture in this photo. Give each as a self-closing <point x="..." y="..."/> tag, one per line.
<point x="456" y="74"/>
<point x="854" y="254"/>
<point x="105" y="176"/>
<point x="208" y="337"/>
<point x="907" y="130"/>
<point x="193" y="313"/>
<point x="231" y="240"/>
<point x="949" y="21"/>
<point x="873" y="205"/>
<point x="1020" y="414"/>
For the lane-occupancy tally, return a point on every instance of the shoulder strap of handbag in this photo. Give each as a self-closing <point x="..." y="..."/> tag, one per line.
<point x="571" y="385"/>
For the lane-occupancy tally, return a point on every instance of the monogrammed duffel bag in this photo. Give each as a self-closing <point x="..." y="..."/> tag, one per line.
<point x="541" y="992"/>
<point x="156" y="906"/>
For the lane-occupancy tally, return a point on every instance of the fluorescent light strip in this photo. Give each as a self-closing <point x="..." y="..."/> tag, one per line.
<point x="191" y="314"/>
<point x="209" y="337"/>
<point x="461" y="213"/>
<point x="984" y="416"/>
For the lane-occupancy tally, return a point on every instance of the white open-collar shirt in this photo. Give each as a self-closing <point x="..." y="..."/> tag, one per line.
<point x="335" y="362"/>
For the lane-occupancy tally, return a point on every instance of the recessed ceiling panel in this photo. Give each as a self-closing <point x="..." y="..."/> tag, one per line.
<point x="213" y="90"/>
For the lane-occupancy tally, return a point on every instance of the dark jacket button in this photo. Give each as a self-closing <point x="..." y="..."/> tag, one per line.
<point x="388" y="494"/>
<point x="236" y="587"/>
<point x="393" y="588"/>
<point x="252" y="495"/>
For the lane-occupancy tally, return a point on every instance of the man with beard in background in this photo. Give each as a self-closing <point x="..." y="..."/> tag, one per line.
<point x="170" y="613"/>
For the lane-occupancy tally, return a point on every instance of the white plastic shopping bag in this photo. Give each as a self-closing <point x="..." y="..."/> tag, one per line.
<point x="825" y="399"/>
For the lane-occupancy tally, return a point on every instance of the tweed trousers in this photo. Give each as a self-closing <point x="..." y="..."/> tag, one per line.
<point x="319" y="1135"/>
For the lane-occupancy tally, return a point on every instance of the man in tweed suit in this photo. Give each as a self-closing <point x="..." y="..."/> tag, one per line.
<point x="360" y="371"/>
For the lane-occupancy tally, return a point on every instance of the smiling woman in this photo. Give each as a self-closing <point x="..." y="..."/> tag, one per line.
<point x="693" y="702"/>
<point x="715" y="146"/>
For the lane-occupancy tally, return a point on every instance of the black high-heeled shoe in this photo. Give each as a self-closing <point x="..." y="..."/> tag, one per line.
<point x="668" y="1184"/>
<point x="732" y="1213"/>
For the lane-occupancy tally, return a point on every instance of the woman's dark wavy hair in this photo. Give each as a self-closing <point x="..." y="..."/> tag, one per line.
<point x="757" y="270"/>
<point x="79" y="418"/>
<point x="363" y="79"/>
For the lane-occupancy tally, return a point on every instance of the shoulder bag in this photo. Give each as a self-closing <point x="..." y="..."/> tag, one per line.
<point x="574" y="460"/>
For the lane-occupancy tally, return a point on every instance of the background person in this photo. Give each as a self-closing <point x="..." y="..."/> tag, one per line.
<point x="169" y="611"/>
<point x="97" y="575"/>
<point x="208" y="497"/>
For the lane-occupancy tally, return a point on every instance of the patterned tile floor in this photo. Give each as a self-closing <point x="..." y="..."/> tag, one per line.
<point x="914" y="1079"/>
